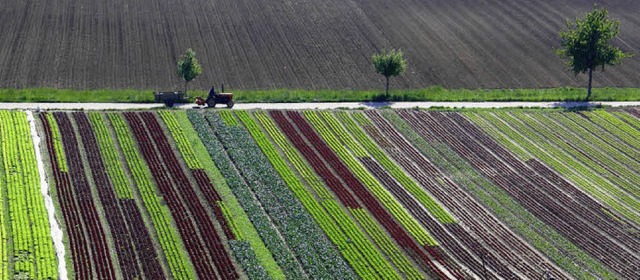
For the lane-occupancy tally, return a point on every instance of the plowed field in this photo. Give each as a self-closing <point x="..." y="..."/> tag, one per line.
<point x="298" y="44"/>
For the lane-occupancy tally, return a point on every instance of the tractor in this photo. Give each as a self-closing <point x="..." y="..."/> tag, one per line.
<point x="216" y="98"/>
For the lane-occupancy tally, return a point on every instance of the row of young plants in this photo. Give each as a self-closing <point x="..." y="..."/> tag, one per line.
<point x="328" y="200"/>
<point x="315" y="252"/>
<point x="456" y="238"/>
<point x="169" y="238"/>
<point x="401" y="214"/>
<point x="4" y="218"/>
<point x="33" y="255"/>
<point x="628" y="118"/>
<point x="561" y="162"/>
<point x="541" y="236"/>
<point x="352" y="183"/>
<point x="623" y="129"/>
<point x="409" y="184"/>
<point x="213" y="198"/>
<point x="600" y="136"/>
<point x="595" y="149"/>
<point x="367" y="262"/>
<point x="267" y="231"/>
<point x="617" y="184"/>
<point x="539" y="193"/>
<point x="57" y="143"/>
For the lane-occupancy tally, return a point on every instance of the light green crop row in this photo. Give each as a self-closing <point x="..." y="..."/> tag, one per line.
<point x="600" y="171"/>
<point x="389" y="202"/>
<point x="366" y="260"/>
<point x="623" y="130"/>
<point x="184" y="146"/>
<point x="33" y="252"/>
<point x="234" y="214"/>
<point x="607" y="153"/>
<point x="559" y="161"/>
<point x="4" y="216"/>
<point x="111" y="159"/>
<point x="170" y="241"/>
<point x="409" y="184"/>
<point x="57" y="143"/>
<point x="629" y="119"/>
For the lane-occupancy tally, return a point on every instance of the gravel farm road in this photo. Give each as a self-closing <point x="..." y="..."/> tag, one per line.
<point x="302" y="106"/>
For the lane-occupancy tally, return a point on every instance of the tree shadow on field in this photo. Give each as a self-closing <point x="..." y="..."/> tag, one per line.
<point x="573" y="106"/>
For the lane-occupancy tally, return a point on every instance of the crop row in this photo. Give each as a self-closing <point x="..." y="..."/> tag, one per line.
<point x="540" y="235"/>
<point x="235" y="216"/>
<point x="202" y="179"/>
<point x="531" y="188"/>
<point x="389" y="202"/>
<point x="4" y="223"/>
<point x="100" y="255"/>
<point x="372" y="204"/>
<point x="368" y="263"/>
<point x="399" y="191"/>
<point x="315" y="252"/>
<point x="590" y="152"/>
<point x="331" y="205"/>
<point x="552" y="194"/>
<point x="79" y="246"/>
<point x="629" y="119"/>
<point x="621" y="129"/>
<point x="131" y="237"/>
<point x="168" y="237"/>
<point x="410" y="185"/>
<point x="256" y="214"/>
<point x="188" y="230"/>
<point x="570" y="148"/>
<point x="33" y="252"/>
<point x="164" y="159"/>
<point x="57" y="143"/>
<point x="452" y="236"/>
<point x="563" y="163"/>
<point x="317" y="164"/>
<point x="600" y="145"/>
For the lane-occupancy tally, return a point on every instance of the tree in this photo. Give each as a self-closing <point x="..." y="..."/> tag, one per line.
<point x="587" y="43"/>
<point x="389" y="64"/>
<point x="188" y="67"/>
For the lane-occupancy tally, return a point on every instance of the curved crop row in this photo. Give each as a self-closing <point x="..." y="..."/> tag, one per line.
<point x="409" y="184"/>
<point x="331" y="205"/>
<point x="541" y="236"/>
<point x="267" y="231"/>
<point x="368" y="263"/>
<point x="315" y="252"/>
<point x="179" y="264"/>
<point x="369" y="181"/>
<point x="33" y="252"/>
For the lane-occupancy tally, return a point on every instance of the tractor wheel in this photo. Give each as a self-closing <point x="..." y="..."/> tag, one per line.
<point x="212" y="104"/>
<point x="230" y="104"/>
<point x="169" y="104"/>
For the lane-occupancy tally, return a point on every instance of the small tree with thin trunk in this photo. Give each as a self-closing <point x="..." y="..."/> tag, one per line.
<point x="587" y="43"/>
<point x="188" y="67"/>
<point x="389" y="64"/>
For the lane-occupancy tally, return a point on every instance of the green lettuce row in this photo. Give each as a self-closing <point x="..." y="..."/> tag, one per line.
<point x="183" y="143"/>
<point x="623" y="130"/>
<point x="57" y="143"/>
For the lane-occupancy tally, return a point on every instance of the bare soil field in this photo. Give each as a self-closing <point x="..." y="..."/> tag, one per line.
<point x="298" y="43"/>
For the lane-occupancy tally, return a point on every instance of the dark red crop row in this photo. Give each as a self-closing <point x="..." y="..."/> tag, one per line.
<point x="100" y="254"/>
<point x="633" y="111"/>
<point x="213" y="198"/>
<point x="120" y="229"/>
<point x="453" y="197"/>
<point x="69" y="210"/>
<point x="528" y="188"/>
<point x="168" y="173"/>
<point x="350" y="181"/>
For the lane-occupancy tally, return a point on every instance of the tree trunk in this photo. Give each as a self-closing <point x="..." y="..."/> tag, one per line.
<point x="185" y="88"/>
<point x="387" y="89"/>
<point x="590" y="79"/>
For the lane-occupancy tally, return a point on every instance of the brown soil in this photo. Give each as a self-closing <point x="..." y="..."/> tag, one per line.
<point x="298" y="44"/>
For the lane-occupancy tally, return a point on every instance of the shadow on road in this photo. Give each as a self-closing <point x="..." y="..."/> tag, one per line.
<point x="377" y="105"/>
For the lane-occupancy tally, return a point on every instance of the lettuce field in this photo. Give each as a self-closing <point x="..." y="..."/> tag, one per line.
<point x="363" y="194"/>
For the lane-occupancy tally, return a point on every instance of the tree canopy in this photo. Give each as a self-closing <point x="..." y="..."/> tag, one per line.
<point x="587" y="43"/>
<point x="389" y="64"/>
<point x="188" y="67"/>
